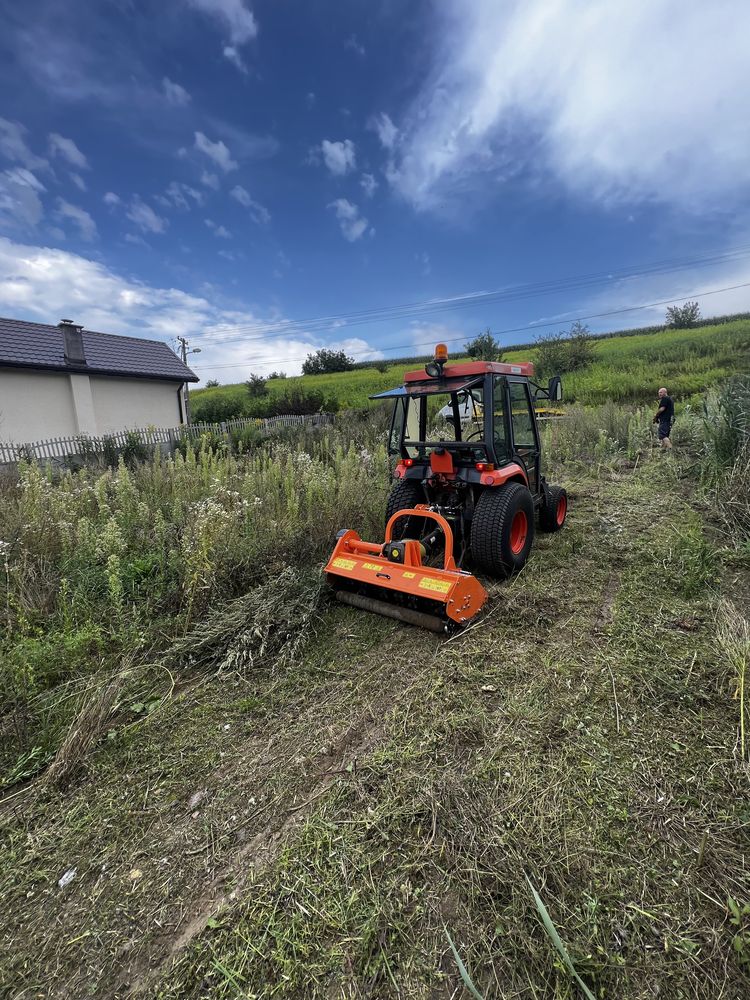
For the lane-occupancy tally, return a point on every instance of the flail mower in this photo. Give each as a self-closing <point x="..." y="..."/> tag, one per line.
<point x="468" y="491"/>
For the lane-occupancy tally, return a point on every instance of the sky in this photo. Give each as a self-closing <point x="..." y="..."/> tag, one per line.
<point x="267" y="177"/>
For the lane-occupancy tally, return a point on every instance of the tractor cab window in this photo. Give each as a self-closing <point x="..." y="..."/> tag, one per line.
<point x="405" y="422"/>
<point x="522" y="418"/>
<point x="499" y="434"/>
<point x="441" y="413"/>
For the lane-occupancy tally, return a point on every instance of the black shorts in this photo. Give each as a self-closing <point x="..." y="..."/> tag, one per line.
<point x="664" y="429"/>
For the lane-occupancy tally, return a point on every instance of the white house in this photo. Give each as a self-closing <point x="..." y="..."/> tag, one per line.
<point x="59" y="381"/>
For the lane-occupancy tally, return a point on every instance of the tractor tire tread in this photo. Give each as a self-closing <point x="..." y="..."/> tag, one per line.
<point x="494" y="511"/>
<point x="548" y="512"/>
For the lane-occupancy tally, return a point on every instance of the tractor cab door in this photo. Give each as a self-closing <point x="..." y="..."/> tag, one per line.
<point x="524" y="432"/>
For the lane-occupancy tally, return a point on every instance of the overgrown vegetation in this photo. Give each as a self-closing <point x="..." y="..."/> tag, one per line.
<point x="241" y="790"/>
<point x="565" y="351"/>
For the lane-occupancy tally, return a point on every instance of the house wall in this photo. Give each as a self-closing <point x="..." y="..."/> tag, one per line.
<point x="35" y="406"/>
<point x="121" y="403"/>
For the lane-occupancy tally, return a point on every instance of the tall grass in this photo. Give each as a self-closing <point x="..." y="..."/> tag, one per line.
<point x="726" y="455"/>
<point x="102" y="566"/>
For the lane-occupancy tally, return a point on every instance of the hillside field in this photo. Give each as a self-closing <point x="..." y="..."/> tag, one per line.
<point x="629" y="367"/>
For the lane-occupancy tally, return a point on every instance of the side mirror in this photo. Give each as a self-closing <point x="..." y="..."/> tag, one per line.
<point x="554" y="389"/>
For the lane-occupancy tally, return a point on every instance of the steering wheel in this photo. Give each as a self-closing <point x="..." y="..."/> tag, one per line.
<point x="474" y="435"/>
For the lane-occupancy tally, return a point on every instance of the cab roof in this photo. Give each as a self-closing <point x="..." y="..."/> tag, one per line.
<point x="525" y="368"/>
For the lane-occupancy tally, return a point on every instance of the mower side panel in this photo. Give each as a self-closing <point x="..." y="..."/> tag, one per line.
<point x="455" y="595"/>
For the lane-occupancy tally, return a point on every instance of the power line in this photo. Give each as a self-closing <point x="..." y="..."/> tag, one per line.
<point x="514" y="329"/>
<point x="285" y="328"/>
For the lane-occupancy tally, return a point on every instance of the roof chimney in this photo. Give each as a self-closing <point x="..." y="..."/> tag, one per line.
<point x="73" y="334"/>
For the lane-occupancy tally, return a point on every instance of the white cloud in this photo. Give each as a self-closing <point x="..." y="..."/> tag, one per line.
<point x="67" y="150"/>
<point x="424" y="260"/>
<point x="41" y="283"/>
<point x="20" y="204"/>
<point x="111" y="199"/>
<point x="234" y="57"/>
<point x="238" y="22"/>
<point x="80" y="217"/>
<point x="175" y="94"/>
<point x="424" y="336"/>
<point x="634" y="293"/>
<point x="135" y="239"/>
<point x="339" y="157"/>
<point x="368" y="184"/>
<point x="210" y="180"/>
<point x="385" y="129"/>
<point x="182" y="196"/>
<point x="354" y="45"/>
<point x="310" y="99"/>
<point x="620" y="102"/>
<point x="218" y="152"/>
<point x="79" y="182"/>
<point x="145" y="217"/>
<point x="218" y="230"/>
<point x="13" y="146"/>
<point x="234" y="16"/>
<point x="353" y="225"/>
<point x="258" y="213"/>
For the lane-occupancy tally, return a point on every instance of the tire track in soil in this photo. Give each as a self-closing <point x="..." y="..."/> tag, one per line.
<point x="360" y="736"/>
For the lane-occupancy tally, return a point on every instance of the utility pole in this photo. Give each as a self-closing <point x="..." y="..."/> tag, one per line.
<point x="184" y="351"/>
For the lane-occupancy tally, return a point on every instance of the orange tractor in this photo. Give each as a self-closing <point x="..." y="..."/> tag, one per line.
<point x="469" y="489"/>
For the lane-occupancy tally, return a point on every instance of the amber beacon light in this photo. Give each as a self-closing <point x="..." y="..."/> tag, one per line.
<point x="435" y="368"/>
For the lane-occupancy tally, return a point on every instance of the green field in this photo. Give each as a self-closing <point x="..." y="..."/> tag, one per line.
<point x="630" y="367"/>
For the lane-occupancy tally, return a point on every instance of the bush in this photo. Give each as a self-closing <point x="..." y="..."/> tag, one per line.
<point x="300" y="401"/>
<point x="213" y="409"/>
<point x="484" y="347"/>
<point x="212" y="383"/>
<point x="256" y="386"/>
<point x="684" y="316"/>
<point x="565" y="351"/>
<point x="323" y="362"/>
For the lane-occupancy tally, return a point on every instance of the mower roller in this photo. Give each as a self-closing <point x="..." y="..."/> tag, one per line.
<point x="469" y="490"/>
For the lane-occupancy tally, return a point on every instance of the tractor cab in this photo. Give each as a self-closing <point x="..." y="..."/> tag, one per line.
<point x="466" y="420"/>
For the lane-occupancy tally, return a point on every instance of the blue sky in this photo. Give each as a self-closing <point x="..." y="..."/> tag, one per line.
<point x="234" y="170"/>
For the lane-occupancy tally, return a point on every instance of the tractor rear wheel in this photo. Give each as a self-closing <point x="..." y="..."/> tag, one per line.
<point x="552" y="514"/>
<point x="502" y="530"/>
<point x="406" y="493"/>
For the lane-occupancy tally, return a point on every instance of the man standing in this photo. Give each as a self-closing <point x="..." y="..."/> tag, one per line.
<point x="664" y="417"/>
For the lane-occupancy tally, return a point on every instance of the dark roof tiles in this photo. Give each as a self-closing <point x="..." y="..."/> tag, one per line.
<point x="39" y="345"/>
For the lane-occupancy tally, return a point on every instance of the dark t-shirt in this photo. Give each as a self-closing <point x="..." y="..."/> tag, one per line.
<point x="668" y="415"/>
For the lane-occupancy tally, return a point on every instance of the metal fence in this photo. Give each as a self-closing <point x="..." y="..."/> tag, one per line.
<point x="84" y="445"/>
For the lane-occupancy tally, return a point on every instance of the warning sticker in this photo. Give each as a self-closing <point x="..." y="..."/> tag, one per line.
<point x="439" y="586"/>
<point x="409" y="576"/>
<point x="371" y="566"/>
<point x="344" y="563"/>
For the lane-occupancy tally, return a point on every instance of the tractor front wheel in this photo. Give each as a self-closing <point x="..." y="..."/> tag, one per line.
<point x="404" y="495"/>
<point x="502" y="530"/>
<point x="552" y="515"/>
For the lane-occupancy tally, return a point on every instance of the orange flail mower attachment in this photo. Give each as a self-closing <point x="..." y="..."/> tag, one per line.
<point x="391" y="578"/>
